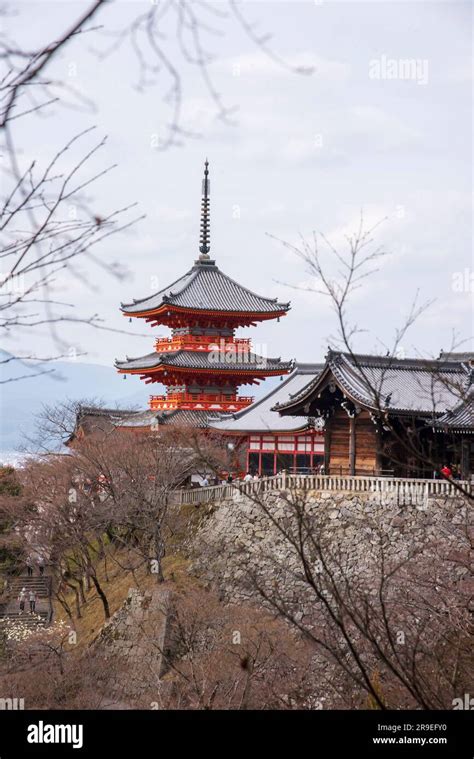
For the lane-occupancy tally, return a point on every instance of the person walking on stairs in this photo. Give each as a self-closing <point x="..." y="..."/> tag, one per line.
<point x="22" y="599"/>
<point x="29" y="566"/>
<point x="41" y="565"/>
<point x="32" y="599"/>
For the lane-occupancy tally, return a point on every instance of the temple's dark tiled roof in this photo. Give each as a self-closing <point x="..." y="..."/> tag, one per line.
<point x="96" y="417"/>
<point x="184" y="359"/>
<point x="93" y="419"/>
<point x="115" y="417"/>
<point x="464" y="357"/>
<point x="428" y="387"/>
<point x="460" y="418"/>
<point x="207" y="288"/>
<point x="185" y="417"/>
<point x="137" y="419"/>
<point x="99" y="411"/>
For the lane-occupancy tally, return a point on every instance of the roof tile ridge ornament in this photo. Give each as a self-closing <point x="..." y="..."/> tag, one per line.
<point x="205" y="232"/>
<point x="334" y="357"/>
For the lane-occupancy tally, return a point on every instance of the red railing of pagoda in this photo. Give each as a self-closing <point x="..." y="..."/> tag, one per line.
<point x="203" y="342"/>
<point x="203" y="401"/>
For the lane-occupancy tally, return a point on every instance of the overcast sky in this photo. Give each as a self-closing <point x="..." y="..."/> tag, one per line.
<point x="305" y="153"/>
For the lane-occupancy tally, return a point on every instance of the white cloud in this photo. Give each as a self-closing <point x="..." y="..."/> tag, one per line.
<point x="381" y="149"/>
<point x="259" y="65"/>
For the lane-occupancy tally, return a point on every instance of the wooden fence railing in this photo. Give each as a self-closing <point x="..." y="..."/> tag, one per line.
<point x="404" y="489"/>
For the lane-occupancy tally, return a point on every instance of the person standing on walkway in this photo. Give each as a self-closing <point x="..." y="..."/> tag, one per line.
<point x="41" y="565"/>
<point x="32" y="599"/>
<point x="29" y="566"/>
<point x="22" y="599"/>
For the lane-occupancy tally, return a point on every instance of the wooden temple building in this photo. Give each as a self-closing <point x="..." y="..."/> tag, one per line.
<point x="385" y="415"/>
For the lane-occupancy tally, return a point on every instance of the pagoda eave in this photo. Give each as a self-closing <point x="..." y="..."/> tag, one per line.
<point x="169" y="314"/>
<point x="157" y="373"/>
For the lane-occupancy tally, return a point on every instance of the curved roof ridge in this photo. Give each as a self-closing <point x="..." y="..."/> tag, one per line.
<point x="103" y="411"/>
<point x="137" y="358"/>
<point x="308" y="367"/>
<point x="167" y="289"/>
<point x="301" y="393"/>
<point x="396" y="362"/>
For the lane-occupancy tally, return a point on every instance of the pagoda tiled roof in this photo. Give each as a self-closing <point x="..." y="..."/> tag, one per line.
<point x="400" y="385"/>
<point x="186" y="359"/>
<point x="206" y="288"/>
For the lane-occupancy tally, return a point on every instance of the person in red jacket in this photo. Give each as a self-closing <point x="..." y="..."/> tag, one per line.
<point x="446" y="471"/>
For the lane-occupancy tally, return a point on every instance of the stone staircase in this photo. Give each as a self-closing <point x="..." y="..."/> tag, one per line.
<point x="10" y="607"/>
<point x="40" y="619"/>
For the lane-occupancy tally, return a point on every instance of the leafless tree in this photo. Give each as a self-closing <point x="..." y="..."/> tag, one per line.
<point x="226" y="656"/>
<point x="46" y="227"/>
<point x="56" y="424"/>
<point x="47" y="218"/>
<point x="139" y="473"/>
<point x="60" y="518"/>
<point x="385" y="602"/>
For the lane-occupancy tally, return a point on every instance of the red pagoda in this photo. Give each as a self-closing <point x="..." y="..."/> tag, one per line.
<point x="202" y="364"/>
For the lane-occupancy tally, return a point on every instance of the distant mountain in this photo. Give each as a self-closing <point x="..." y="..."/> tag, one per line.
<point x="21" y="400"/>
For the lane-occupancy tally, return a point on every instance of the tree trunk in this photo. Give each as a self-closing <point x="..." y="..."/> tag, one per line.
<point x="81" y="590"/>
<point x="101" y="595"/>
<point x="76" y="598"/>
<point x="244" y="702"/>
<point x="65" y="606"/>
<point x="158" y="553"/>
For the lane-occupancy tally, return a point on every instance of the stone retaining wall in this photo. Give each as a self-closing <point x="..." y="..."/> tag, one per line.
<point x="138" y="640"/>
<point x="240" y="540"/>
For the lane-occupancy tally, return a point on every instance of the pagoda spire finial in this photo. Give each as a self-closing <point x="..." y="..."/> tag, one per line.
<point x="204" y="238"/>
